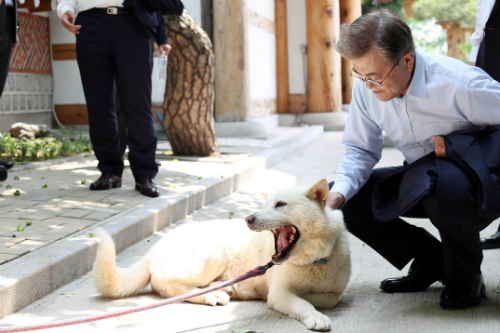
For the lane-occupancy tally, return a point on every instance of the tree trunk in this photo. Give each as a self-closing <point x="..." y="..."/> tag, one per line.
<point x="188" y="109"/>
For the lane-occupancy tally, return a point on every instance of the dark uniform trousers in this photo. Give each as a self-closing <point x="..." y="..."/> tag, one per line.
<point x="399" y="242"/>
<point x="114" y="54"/>
<point x="7" y="40"/>
<point x="488" y="57"/>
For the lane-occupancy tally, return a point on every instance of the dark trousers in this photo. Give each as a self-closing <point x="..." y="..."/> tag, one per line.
<point x="399" y="242"/>
<point x="6" y="44"/>
<point x="114" y="55"/>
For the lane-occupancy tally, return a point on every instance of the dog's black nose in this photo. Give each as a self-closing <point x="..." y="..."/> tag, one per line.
<point x="250" y="219"/>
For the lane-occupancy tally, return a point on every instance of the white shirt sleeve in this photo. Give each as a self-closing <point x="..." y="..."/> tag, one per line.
<point x="363" y="141"/>
<point x="477" y="36"/>
<point x="65" y="5"/>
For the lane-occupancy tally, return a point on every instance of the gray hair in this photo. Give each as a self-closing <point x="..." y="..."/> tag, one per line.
<point x="383" y="30"/>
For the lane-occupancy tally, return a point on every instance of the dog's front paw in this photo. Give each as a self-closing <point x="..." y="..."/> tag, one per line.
<point x="216" y="297"/>
<point x="318" y="322"/>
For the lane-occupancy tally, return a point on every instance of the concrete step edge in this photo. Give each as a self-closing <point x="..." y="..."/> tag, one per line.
<point x="37" y="274"/>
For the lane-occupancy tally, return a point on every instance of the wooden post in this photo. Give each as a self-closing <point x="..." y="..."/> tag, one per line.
<point x="232" y="96"/>
<point x="349" y="11"/>
<point x="324" y="85"/>
<point x="282" y="102"/>
<point x="455" y="35"/>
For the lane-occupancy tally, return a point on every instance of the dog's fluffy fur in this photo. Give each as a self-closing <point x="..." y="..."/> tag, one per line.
<point x="197" y="255"/>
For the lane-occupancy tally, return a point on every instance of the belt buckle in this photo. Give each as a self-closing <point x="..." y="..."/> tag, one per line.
<point x="112" y="10"/>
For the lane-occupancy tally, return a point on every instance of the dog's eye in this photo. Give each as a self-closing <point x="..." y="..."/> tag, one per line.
<point x="280" y="204"/>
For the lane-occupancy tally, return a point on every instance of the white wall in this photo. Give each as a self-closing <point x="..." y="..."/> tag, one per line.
<point x="262" y="53"/>
<point x="262" y="63"/>
<point x="297" y="36"/>
<point x="262" y="7"/>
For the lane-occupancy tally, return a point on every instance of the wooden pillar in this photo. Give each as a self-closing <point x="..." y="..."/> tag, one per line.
<point x="455" y="35"/>
<point x="232" y="97"/>
<point x="349" y="11"/>
<point x="324" y="85"/>
<point x="281" y="56"/>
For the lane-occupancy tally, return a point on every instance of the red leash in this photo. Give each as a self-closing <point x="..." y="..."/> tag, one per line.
<point x="261" y="270"/>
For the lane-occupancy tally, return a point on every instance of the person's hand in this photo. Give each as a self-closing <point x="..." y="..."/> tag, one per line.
<point x="439" y="146"/>
<point x="472" y="63"/>
<point x="165" y="48"/>
<point x="67" y="21"/>
<point x="335" y="200"/>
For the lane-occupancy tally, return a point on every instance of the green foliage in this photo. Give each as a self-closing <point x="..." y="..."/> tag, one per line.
<point x="369" y="5"/>
<point x="428" y="36"/>
<point x="465" y="48"/>
<point x="446" y="10"/>
<point x="22" y="150"/>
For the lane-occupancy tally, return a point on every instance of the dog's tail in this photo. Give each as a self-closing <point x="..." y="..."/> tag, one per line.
<point x="112" y="281"/>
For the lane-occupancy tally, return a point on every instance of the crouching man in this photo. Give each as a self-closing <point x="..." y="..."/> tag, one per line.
<point x="441" y="114"/>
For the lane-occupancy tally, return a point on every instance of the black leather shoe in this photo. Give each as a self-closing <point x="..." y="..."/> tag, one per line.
<point x="147" y="187"/>
<point x="7" y="164"/>
<point x="492" y="242"/>
<point x="3" y="173"/>
<point x="464" y="294"/>
<point x="106" y="182"/>
<point x="423" y="272"/>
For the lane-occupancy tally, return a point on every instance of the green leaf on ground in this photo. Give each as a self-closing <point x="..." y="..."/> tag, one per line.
<point x="28" y="223"/>
<point x="44" y="186"/>
<point x="200" y="177"/>
<point x="221" y="176"/>
<point x="16" y="178"/>
<point x="8" y="187"/>
<point x="243" y="330"/>
<point x="91" y="235"/>
<point x="83" y="181"/>
<point x="20" y="229"/>
<point x="174" y="187"/>
<point x="231" y="215"/>
<point x="175" y="160"/>
<point x="17" y="192"/>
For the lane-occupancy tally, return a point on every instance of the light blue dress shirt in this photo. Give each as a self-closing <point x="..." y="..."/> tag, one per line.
<point x="445" y="96"/>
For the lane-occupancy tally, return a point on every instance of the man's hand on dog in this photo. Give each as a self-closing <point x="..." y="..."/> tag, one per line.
<point x="335" y="200"/>
<point x="439" y="146"/>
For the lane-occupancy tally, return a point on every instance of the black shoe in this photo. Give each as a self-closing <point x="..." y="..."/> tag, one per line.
<point x="3" y="173"/>
<point x="423" y="272"/>
<point x="147" y="187"/>
<point x="7" y="164"/>
<point x="492" y="242"/>
<point x="464" y="294"/>
<point x="106" y="182"/>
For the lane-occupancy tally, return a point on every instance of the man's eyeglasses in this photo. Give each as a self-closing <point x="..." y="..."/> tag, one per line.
<point x="377" y="83"/>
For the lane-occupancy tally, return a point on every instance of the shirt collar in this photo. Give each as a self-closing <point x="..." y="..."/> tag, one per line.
<point x="418" y="87"/>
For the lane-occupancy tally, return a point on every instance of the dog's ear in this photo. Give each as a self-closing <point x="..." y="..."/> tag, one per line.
<point x="319" y="192"/>
<point x="264" y="195"/>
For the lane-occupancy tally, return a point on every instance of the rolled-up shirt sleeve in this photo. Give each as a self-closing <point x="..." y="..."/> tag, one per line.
<point x="65" y="5"/>
<point x="363" y="141"/>
<point x="482" y="106"/>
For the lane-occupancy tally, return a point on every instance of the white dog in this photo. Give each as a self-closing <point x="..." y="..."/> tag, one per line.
<point x="294" y="230"/>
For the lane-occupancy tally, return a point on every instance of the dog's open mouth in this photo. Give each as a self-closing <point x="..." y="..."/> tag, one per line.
<point x="285" y="239"/>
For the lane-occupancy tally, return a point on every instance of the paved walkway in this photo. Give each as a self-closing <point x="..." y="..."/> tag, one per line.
<point x="43" y="202"/>
<point x="364" y="308"/>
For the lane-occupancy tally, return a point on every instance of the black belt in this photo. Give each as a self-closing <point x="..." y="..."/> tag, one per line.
<point x="111" y="10"/>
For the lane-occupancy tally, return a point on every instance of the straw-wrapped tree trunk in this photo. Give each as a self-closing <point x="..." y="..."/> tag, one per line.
<point x="189" y="96"/>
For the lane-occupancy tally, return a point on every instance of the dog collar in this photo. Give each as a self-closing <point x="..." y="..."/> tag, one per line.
<point x="320" y="261"/>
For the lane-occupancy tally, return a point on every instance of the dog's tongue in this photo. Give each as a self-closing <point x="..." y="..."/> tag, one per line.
<point x="284" y="238"/>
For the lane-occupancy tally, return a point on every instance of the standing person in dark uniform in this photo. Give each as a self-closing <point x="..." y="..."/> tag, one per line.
<point x="485" y="54"/>
<point x="9" y="25"/>
<point x="114" y="53"/>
